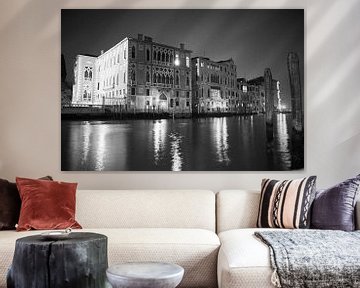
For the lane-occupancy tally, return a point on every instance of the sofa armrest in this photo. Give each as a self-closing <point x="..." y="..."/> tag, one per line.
<point x="357" y="215"/>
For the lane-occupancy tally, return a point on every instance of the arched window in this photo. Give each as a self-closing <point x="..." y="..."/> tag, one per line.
<point x="86" y="74"/>
<point x="171" y="58"/>
<point x="154" y="78"/>
<point x="158" y="56"/>
<point x="133" y="52"/>
<point x="167" y="57"/>
<point x="155" y="55"/>
<point x="171" y="79"/>
<point x="90" y="74"/>
<point x="147" y="76"/>
<point x="187" y="81"/>
<point x="163" y="57"/>
<point x="147" y="55"/>
<point x="187" y="61"/>
<point x="177" y="80"/>
<point x="167" y="81"/>
<point x="133" y="75"/>
<point x="163" y="79"/>
<point x="158" y="78"/>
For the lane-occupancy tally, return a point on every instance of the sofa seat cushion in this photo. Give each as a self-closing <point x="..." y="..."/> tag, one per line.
<point x="244" y="261"/>
<point x="194" y="249"/>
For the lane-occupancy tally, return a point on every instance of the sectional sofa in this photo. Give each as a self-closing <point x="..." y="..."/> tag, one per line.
<point x="210" y="235"/>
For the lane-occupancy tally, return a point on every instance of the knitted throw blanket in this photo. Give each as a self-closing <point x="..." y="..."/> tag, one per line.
<point x="313" y="258"/>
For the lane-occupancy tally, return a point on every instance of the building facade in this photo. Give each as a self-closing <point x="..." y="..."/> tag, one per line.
<point x="214" y="86"/>
<point x="136" y="75"/>
<point x="252" y="94"/>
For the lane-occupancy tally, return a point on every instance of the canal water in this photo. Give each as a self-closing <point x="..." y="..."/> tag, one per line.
<point x="235" y="143"/>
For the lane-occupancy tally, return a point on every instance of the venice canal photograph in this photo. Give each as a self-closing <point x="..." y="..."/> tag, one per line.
<point x="182" y="89"/>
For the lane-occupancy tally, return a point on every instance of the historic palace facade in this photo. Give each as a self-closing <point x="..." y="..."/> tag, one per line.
<point x="142" y="76"/>
<point x="214" y="86"/>
<point x="136" y="75"/>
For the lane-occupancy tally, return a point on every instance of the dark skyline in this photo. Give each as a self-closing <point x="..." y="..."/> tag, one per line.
<point x="255" y="39"/>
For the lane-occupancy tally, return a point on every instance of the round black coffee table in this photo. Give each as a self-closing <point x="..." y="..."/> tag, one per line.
<point x="145" y="275"/>
<point x="79" y="260"/>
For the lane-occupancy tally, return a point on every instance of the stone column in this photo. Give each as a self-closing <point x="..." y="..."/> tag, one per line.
<point x="269" y="104"/>
<point x="297" y="101"/>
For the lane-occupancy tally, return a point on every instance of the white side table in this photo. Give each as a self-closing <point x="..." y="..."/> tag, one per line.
<point x="145" y="275"/>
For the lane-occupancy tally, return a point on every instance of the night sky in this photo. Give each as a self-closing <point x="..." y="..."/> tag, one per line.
<point x="255" y="39"/>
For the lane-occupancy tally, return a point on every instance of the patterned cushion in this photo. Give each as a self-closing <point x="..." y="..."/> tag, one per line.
<point x="286" y="204"/>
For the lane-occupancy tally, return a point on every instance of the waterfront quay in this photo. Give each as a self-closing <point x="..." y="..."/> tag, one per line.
<point x="106" y="113"/>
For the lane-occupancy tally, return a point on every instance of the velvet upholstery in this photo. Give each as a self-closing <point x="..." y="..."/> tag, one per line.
<point x="46" y="204"/>
<point x="334" y="208"/>
<point x="10" y="204"/>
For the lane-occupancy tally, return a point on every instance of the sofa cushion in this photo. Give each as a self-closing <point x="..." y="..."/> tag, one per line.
<point x="236" y="209"/>
<point x="244" y="260"/>
<point x="46" y="204"/>
<point x="10" y="204"/>
<point x="153" y="209"/>
<point x="334" y="208"/>
<point x="286" y="204"/>
<point x="194" y="249"/>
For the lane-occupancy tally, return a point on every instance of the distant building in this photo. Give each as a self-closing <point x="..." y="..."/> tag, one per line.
<point x="214" y="86"/>
<point x="252" y="94"/>
<point x="136" y="75"/>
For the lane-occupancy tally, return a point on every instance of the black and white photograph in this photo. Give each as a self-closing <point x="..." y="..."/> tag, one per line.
<point x="182" y="89"/>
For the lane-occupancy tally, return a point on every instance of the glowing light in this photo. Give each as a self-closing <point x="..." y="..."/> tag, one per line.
<point x="221" y="140"/>
<point x="176" y="156"/>
<point x="101" y="144"/>
<point x="159" y="135"/>
<point x="177" y="60"/>
<point x="86" y="141"/>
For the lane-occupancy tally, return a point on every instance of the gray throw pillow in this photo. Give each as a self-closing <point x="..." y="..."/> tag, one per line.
<point x="334" y="208"/>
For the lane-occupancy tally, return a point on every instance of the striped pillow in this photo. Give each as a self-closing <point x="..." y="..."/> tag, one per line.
<point x="286" y="204"/>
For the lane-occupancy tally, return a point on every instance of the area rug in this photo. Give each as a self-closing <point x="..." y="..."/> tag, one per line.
<point x="313" y="258"/>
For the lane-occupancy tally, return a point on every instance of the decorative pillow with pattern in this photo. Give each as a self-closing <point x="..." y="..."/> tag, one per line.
<point x="286" y="204"/>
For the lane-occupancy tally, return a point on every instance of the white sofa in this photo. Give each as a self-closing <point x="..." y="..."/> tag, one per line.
<point x="175" y="226"/>
<point x="243" y="261"/>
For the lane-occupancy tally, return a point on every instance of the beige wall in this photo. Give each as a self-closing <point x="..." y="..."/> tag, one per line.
<point x="30" y="94"/>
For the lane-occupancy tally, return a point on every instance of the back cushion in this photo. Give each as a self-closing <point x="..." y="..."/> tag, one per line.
<point x="146" y="209"/>
<point x="236" y="209"/>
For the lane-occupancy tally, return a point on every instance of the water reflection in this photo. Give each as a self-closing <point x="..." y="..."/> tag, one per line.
<point x="221" y="140"/>
<point x="86" y="141"/>
<point x="100" y="148"/>
<point x="229" y="143"/>
<point x="176" y="156"/>
<point x="159" y="139"/>
<point x="282" y="141"/>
